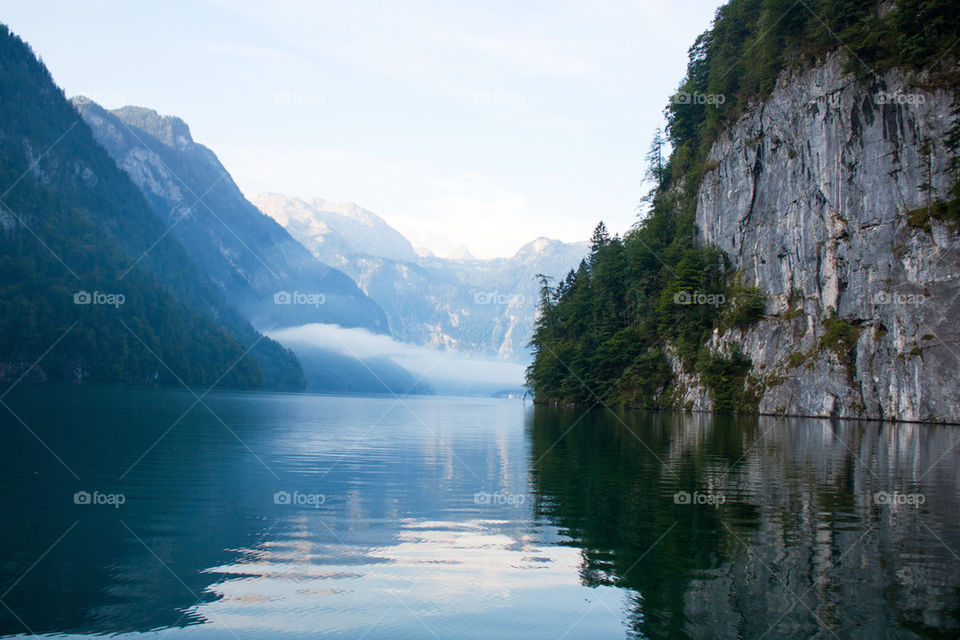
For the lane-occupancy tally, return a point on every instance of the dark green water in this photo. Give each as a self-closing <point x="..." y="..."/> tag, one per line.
<point x="294" y="516"/>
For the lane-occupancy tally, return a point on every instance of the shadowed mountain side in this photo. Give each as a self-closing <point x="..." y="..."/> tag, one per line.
<point x="77" y="232"/>
<point x="246" y="254"/>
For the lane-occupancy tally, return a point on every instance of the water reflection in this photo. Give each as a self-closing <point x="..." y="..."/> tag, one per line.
<point x="399" y="546"/>
<point x="465" y="518"/>
<point x="816" y="529"/>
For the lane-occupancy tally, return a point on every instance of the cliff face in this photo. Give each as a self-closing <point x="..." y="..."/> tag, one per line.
<point x="808" y="194"/>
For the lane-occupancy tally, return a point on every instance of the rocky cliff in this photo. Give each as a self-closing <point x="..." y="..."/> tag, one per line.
<point x="819" y="196"/>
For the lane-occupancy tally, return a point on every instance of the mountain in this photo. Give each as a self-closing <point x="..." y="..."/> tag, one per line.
<point x="335" y="231"/>
<point x="801" y="253"/>
<point x="478" y="306"/>
<point x="91" y="286"/>
<point x="266" y="274"/>
<point x="495" y="303"/>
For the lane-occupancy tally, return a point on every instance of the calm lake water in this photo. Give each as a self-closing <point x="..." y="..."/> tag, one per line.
<point x="276" y="515"/>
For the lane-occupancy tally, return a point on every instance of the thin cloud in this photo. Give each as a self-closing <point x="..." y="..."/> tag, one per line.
<point x="445" y="370"/>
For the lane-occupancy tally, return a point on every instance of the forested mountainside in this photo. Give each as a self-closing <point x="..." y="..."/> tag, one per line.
<point x="92" y="285"/>
<point x="801" y="249"/>
<point x="248" y="256"/>
<point x="475" y="306"/>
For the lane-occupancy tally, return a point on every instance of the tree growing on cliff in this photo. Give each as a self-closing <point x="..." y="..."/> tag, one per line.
<point x="613" y="322"/>
<point x="656" y="166"/>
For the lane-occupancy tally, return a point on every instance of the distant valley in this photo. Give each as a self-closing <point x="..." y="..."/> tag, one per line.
<point x="357" y="269"/>
<point x="484" y="307"/>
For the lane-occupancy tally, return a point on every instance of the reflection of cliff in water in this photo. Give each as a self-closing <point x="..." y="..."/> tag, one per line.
<point x="799" y="544"/>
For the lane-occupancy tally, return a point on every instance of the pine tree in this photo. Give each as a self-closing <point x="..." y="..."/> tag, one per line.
<point x="656" y="171"/>
<point x="598" y="240"/>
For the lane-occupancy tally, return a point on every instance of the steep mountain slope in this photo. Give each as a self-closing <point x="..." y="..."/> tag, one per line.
<point x="248" y="255"/>
<point x="802" y="251"/>
<point x="90" y="284"/>
<point x="477" y="306"/>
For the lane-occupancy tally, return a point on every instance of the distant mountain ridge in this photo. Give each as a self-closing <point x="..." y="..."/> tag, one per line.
<point x="333" y="231"/>
<point x="124" y="204"/>
<point x="248" y="255"/>
<point x="478" y="306"/>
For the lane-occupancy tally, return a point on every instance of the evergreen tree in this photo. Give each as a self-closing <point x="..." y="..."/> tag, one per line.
<point x="598" y="240"/>
<point x="656" y="170"/>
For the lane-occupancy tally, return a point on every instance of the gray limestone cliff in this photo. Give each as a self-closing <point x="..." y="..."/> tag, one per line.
<point x="808" y="193"/>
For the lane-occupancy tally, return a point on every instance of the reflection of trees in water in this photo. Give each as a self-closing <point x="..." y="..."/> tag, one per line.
<point x="799" y="543"/>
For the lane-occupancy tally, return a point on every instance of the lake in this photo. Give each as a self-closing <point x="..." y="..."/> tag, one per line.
<point x="259" y="515"/>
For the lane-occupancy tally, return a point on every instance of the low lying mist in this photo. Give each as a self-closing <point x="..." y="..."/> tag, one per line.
<point x="447" y="372"/>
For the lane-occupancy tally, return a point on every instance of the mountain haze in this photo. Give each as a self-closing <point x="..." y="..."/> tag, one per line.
<point x="484" y="307"/>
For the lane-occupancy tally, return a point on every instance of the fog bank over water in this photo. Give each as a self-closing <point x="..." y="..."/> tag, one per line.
<point x="445" y="371"/>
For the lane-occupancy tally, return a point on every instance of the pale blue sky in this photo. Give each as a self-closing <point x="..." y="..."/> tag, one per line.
<point x="482" y="123"/>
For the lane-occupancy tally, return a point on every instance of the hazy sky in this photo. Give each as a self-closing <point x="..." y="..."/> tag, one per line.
<point x="481" y="123"/>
